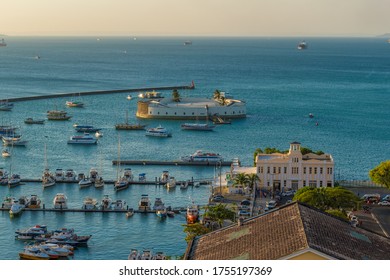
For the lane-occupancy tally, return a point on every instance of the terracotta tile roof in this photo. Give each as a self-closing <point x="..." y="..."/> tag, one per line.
<point x="288" y="230"/>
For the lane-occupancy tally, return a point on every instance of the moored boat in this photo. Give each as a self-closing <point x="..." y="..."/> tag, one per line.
<point x="192" y="214"/>
<point x="33" y="121"/>
<point x="55" y="115"/>
<point x="5" y="153"/>
<point x="106" y="203"/>
<point x="16" y="208"/>
<point x="48" y="179"/>
<point x="130" y="213"/>
<point x="14" y="181"/>
<point x="197" y="126"/>
<point x="203" y="156"/>
<point x="171" y="183"/>
<point x="134" y="255"/>
<point x="74" y="104"/>
<point x="60" y="201"/>
<point x="59" y="174"/>
<point x="34" y="202"/>
<point x="70" y="175"/>
<point x="164" y="176"/>
<point x="85" y="139"/>
<point x="29" y="254"/>
<point x="90" y="203"/>
<point x="158" y="204"/>
<point x="144" y="203"/>
<point x="85" y="182"/>
<point x="118" y="204"/>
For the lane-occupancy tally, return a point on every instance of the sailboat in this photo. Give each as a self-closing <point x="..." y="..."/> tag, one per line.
<point x="48" y="179"/>
<point x="199" y="126"/>
<point x="128" y="126"/>
<point x="14" y="179"/>
<point x="121" y="182"/>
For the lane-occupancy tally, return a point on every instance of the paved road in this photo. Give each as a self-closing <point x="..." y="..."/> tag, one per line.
<point x="382" y="214"/>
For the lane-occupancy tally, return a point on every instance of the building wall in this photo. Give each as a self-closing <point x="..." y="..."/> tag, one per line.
<point x="290" y="171"/>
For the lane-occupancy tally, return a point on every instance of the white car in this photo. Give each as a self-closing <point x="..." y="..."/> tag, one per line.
<point x="288" y="193"/>
<point x="384" y="203"/>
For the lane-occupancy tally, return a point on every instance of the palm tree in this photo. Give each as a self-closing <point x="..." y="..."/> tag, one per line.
<point x="176" y="95"/>
<point x="240" y="179"/>
<point x="252" y="180"/>
<point x="217" y="94"/>
<point x="218" y="213"/>
<point x="194" y="230"/>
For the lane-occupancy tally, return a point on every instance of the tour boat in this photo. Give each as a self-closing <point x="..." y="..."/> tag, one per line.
<point x="55" y="115"/>
<point x="197" y="126"/>
<point x="203" y="156"/>
<point x="158" y="132"/>
<point x="60" y="201"/>
<point x="85" y="139"/>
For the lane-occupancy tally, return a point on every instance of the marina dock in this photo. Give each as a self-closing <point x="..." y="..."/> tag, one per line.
<point x="174" y="162"/>
<point x="43" y="209"/>
<point x="98" y="92"/>
<point x="156" y="182"/>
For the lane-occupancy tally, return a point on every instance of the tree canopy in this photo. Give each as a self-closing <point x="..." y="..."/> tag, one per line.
<point x="381" y="174"/>
<point x="327" y="198"/>
<point x="218" y="213"/>
<point x="175" y="95"/>
<point x="194" y="230"/>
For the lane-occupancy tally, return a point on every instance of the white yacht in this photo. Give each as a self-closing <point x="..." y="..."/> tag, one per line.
<point x="70" y="175"/>
<point x="89" y="203"/>
<point x="203" y="156"/>
<point x="60" y="201"/>
<point x="119" y="204"/>
<point x="171" y="183"/>
<point x="144" y="203"/>
<point x="85" y="139"/>
<point x="158" y="132"/>
<point x="16" y="208"/>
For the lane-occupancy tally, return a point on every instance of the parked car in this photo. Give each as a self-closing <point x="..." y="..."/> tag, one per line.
<point x="288" y="193"/>
<point x="217" y="198"/>
<point x="384" y="203"/>
<point x="271" y="204"/>
<point x="244" y="213"/>
<point x="245" y="202"/>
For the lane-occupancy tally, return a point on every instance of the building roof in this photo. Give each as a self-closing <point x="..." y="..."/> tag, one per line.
<point x="292" y="228"/>
<point x="310" y="156"/>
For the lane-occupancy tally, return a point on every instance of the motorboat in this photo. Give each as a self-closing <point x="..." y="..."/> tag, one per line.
<point x="142" y="177"/>
<point x="85" y="182"/>
<point x="98" y="134"/>
<point x="86" y="128"/>
<point x="33" y="231"/>
<point x="93" y="174"/>
<point x="158" y="204"/>
<point x="3" y="176"/>
<point x="28" y="254"/>
<point x="23" y="200"/>
<point x="99" y="183"/>
<point x="146" y="254"/>
<point x="5" y="153"/>
<point x="15" y="140"/>
<point x="121" y="184"/>
<point x="171" y="183"/>
<point x="16" y="208"/>
<point x="302" y="45"/>
<point x="34" y="202"/>
<point x="164" y="177"/>
<point x="184" y="186"/>
<point x="59" y="174"/>
<point x="203" y="156"/>
<point x="192" y="214"/>
<point x="311" y="115"/>
<point x="130" y="213"/>
<point x="158" y="132"/>
<point x="158" y="256"/>
<point x="134" y="255"/>
<point x="3" y="43"/>
<point x="34" y="121"/>
<point x="6" y="106"/>
<point x="74" y="104"/>
<point x="90" y="203"/>
<point x="129" y="126"/>
<point x="55" y="115"/>
<point x="70" y="175"/>
<point x="144" y="203"/>
<point x="187" y="43"/>
<point x="7" y="202"/>
<point x="197" y="126"/>
<point x="14" y="181"/>
<point x="60" y="201"/>
<point x="48" y="179"/>
<point x="119" y="204"/>
<point x="150" y="95"/>
<point x="85" y="139"/>
<point x="128" y="175"/>
<point x="106" y="203"/>
<point x="162" y="213"/>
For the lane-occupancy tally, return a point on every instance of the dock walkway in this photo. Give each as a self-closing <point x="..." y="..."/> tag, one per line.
<point x="174" y="162"/>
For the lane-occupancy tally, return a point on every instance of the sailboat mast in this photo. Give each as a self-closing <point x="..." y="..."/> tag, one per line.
<point x="119" y="157"/>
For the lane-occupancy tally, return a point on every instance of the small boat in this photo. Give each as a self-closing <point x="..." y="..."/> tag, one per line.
<point x="5" y="153"/>
<point x="86" y="128"/>
<point x="74" y="104"/>
<point x="192" y="214"/>
<point x="59" y="174"/>
<point x="162" y="213"/>
<point x="6" y="106"/>
<point x="311" y="115"/>
<point x="93" y="174"/>
<point x="134" y="255"/>
<point x="28" y="254"/>
<point x="219" y="120"/>
<point x="158" y="204"/>
<point x="158" y="132"/>
<point x="142" y="177"/>
<point x="32" y="121"/>
<point x="144" y="203"/>
<point x="130" y="213"/>
<point x="128" y="126"/>
<point x="146" y="255"/>
<point x="98" y="134"/>
<point x="85" y="139"/>
<point x="16" y="208"/>
<point x="302" y="45"/>
<point x="171" y="183"/>
<point x="7" y="202"/>
<point x="128" y="175"/>
<point x="159" y="256"/>
<point x="48" y="179"/>
<point x="197" y="126"/>
<point x="85" y="182"/>
<point x="3" y="43"/>
<point x="14" y="140"/>
<point x="119" y="204"/>
<point x="90" y="203"/>
<point x="106" y="203"/>
<point x="55" y="115"/>
<point x="203" y="156"/>
<point x="99" y="183"/>
<point x="70" y="175"/>
<point x="164" y="177"/>
<point x="129" y="97"/>
<point x="33" y="231"/>
<point x="14" y="181"/>
<point x="150" y="95"/>
<point x="184" y="186"/>
<point x="121" y="184"/>
<point x="34" y="202"/>
<point x="60" y="201"/>
<point x="187" y="43"/>
<point x="170" y="214"/>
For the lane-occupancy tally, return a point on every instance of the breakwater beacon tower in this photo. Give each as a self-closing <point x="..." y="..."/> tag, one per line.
<point x="153" y="106"/>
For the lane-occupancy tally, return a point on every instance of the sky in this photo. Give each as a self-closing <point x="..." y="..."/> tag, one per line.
<point x="194" y="17"/>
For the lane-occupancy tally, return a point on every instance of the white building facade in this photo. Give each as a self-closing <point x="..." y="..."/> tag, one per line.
<point x="293" y="170"/>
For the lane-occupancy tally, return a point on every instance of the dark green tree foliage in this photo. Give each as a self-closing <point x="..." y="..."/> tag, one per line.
<point x="381" y="174"/>
<point x="218" y="213"/>
<point x="176" y="95"/>
<point x="194" y="230"/>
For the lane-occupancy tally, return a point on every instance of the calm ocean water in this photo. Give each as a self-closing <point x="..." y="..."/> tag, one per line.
<point x="345" y="83"/>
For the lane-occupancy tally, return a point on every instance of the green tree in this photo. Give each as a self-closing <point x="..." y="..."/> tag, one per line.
<point x="217" y="94"/>
<point x="176" y="95"/>
<point x="381" y="174"/>
<point x="194" y="230"/>
<point x="240" y="179"/>
<point x="252" y="179"/>
<point x="327" y="198"/>
<point x="218" y="213"/>
<point x="257" y="151"/>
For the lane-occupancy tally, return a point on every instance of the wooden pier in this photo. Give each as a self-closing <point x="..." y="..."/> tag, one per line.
<point x="81" y="210"/>
<point x="98" y="92"/>
<point x="174" y="162"/>
<point x="156" y="182"/>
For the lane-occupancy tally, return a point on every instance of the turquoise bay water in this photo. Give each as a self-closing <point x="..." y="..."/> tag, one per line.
<point x="343" y="82"/>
